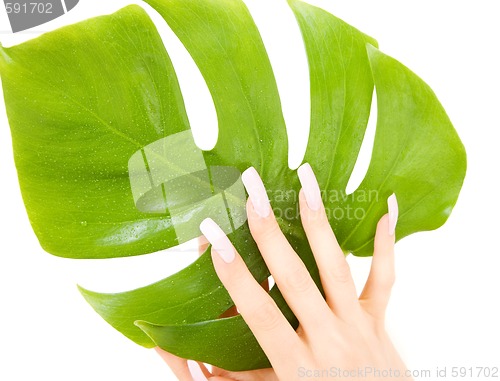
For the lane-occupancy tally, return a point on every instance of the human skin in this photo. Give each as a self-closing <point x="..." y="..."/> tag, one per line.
<point x="339" y="330"/>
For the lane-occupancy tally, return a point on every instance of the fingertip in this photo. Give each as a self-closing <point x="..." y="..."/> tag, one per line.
<point x="315" y="222"/>
<point x="310" y="186"/>
<point x="167" y="357"/>
<point x="202" y="244"/>
<point x="383" y="232"/>
<point x="160" y="352"/>
<point x="218" y="239"/>
<point x="382" y="224"/>
<point x="382" y="275"/>
<point x="251" y="214"/>
<point x="262" y="228"/>
<point x="303" y="201"/>
<point x="176" y="364"/>
<point x="383" y="254"/>
<point x="256" y="192"/>
<point x="392" y="205"/>
<point x="196" y="372"/>
<point x="303" y="205"/>
<point x="253" y="218"/>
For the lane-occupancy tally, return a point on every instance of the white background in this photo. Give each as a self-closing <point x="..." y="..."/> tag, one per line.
<point x="445" y="305"/>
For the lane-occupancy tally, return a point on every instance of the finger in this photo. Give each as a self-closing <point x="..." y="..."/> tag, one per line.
<point x="233" y="311"/>
<point x="334" y="271"/>
<point x="198" y="371"/>
<point x="288" y="270"/>
<point x="258" y="309"/>
<point x="202" y="244"/>
<point x="266" y="374"/>
<point x="377" y="290"/>
<point x="202" y="247"/>
<point x="184" y="370"/>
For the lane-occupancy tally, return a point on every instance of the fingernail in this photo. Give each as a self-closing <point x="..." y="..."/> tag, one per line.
<point x="218" y="239"/>
<point x="310" y="186"/>
<point x="196" y="372"/>
<point x="257" y="192"/>
<point x="392" y="204"/>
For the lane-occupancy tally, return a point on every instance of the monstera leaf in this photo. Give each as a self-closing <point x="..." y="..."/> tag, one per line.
<point x="108" y="167"/>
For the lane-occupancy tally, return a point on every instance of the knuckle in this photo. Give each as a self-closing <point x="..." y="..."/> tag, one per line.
<point x="387" y="282"/>
<point x="299" y="280"/>
<point x="266" y="317"/>
<point x="313" y="219"/>
<point x="318" y="222"/>
<point x="265" y="232"/>
<point x="392" y="280"/>
<point x="378" y="326"/>
<point x="373" y="318"/>
<point x="238" y="276"/>
<point x="239" y="281"/>
<point x="341" y="272"/>
<point x="382" y="223"/>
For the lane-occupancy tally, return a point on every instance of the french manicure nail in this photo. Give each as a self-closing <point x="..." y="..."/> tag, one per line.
<point x="196" y="372"/>
<point x="392" y="204"/>
<point x="310" y="186"/>
<point x="218" y="239"/>
<point x="257" y="192"/>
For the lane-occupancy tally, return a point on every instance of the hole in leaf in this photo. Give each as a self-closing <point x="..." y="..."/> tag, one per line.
<point x="129" y="273"/>
<point x="197" y="98"/>
<point x="365" y="153"/>
<point x="271" y="282"/>
<point x="284" y="45"/>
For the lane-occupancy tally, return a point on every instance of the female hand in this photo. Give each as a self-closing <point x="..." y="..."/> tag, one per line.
<point x="340" y="333"/>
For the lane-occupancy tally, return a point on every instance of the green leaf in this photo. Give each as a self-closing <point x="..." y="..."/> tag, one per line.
<point x="192" y="295"/>
<point x="80" y="101"/>
<point x="108" y="167"/>
<point x="417" y="154"/>
<point x="223" y="40"/>
<point x="341" y="93"/>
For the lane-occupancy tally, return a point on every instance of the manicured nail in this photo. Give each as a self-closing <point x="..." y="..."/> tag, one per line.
<point x="392" y="204"/>
<point x="257" y="192"/>
<point x="218" y="239"/>
<point x="196" y="372"/>
<point x="310" y="186"/>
